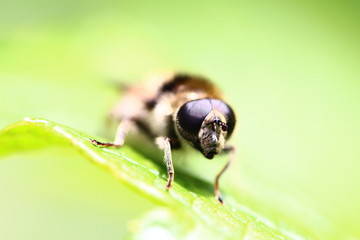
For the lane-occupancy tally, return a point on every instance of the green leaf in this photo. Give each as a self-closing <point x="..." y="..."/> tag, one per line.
<point x="191" y="210"/>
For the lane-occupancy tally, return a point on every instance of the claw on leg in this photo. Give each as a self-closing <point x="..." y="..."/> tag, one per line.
<point x="121" y="132"/>
<point x="103" y="144"/>
<point x="170" y="180"/>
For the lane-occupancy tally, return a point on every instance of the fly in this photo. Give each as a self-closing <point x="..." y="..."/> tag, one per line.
<point x="182" y="109"/>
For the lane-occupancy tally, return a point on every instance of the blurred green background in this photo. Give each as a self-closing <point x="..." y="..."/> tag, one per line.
<point x="291" y="71"/>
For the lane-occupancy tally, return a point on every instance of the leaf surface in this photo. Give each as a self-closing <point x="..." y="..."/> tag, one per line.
<point x="190" y="208"/>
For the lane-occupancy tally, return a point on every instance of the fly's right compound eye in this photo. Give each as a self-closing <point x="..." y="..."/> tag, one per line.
<point x="190" y="117"/>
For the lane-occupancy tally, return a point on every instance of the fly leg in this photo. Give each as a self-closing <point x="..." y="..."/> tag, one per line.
<point x="121" y="132"/>
<point x="164" y="144"/>
<point x="231" y="151"/>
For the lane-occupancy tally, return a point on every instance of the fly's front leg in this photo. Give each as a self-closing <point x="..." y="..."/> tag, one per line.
<point x="164" y="144"/>
<point x="231" y="151"/>
<point x="121" y="132"/>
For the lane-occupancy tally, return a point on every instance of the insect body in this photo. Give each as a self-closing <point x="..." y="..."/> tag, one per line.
<point x="183" y="109"/>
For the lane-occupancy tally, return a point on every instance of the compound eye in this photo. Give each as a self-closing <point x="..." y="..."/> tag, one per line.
<point x="190" y="117"/>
